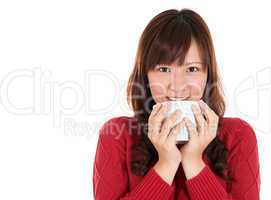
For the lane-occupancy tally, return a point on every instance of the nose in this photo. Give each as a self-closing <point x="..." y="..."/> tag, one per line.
<point x="178" y="85"/>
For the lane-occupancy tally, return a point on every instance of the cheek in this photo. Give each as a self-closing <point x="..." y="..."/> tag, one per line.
<point x="157" y="85"/>
<point x="158" y="88"/>
<point x="197" y="87"/>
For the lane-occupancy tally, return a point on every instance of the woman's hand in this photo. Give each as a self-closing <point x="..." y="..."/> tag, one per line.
<point x="163" y="135"/>
<point x="201" y="135"/>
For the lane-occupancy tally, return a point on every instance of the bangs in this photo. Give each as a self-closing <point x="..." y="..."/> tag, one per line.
<point x="171" y="42"/>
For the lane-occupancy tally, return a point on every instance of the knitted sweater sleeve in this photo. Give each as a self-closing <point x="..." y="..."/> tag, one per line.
<point x="243" y="157"/>
<point x="110" y="177"/>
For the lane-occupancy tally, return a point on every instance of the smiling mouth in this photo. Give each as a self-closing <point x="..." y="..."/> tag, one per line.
<point x="176" y="98"/>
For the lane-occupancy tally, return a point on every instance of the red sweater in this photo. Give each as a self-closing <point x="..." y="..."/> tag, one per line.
<point x="113" y="179"/>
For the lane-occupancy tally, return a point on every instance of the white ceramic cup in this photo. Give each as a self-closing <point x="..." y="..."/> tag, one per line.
<point x="186" y="109"/>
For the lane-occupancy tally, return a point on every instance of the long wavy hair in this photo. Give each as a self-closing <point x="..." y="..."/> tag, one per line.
<point x="165" y="40"/>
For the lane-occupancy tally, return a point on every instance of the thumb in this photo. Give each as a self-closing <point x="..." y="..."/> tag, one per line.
<point x="175" y="131"/>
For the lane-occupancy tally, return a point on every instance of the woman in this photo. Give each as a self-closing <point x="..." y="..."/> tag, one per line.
<point x="137" y="157"/>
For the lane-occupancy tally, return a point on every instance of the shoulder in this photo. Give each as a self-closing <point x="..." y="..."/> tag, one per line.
<point x="234" y="123"/>
<point x="236" y="131"/>
<point x="111" y="151"/>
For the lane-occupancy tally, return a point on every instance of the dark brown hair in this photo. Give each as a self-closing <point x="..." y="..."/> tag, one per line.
<point x="166" y="40"/>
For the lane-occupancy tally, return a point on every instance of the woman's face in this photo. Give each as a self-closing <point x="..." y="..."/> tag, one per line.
<point x="185" y="82"/>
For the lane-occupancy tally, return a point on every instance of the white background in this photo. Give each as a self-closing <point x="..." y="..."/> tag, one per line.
<point x="52" y="106"/>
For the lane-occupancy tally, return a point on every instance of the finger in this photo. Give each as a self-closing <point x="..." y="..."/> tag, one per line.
<point x="155" y="122"/>
<point x="160" y="115"/>
<point x="191" y="128"/>
<point x="200" y="121"/>
<point x="155" y="109"/>
<point x="169" y="122"/>
<point x="151" y="127"/>
<point x="171" y="139"/>
<point x="206" y="110"/>
<point x="212" y="117"/>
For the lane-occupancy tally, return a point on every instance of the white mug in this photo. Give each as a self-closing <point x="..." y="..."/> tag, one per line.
<point x="186" y="110"/>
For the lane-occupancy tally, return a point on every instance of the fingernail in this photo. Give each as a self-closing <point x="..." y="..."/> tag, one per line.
<point x="162" y="105"/>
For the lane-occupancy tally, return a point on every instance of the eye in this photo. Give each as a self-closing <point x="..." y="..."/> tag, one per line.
<point x="193" y="69"/>
<point x="164" y="69"/>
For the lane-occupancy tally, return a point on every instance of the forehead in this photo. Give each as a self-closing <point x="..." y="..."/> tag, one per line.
<point x="193" y="52"/>
<point x="193" y="55"/>
<point x="188" y="53"/>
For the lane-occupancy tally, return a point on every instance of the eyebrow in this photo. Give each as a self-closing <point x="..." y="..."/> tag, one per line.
<point x="185" y="64"/>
